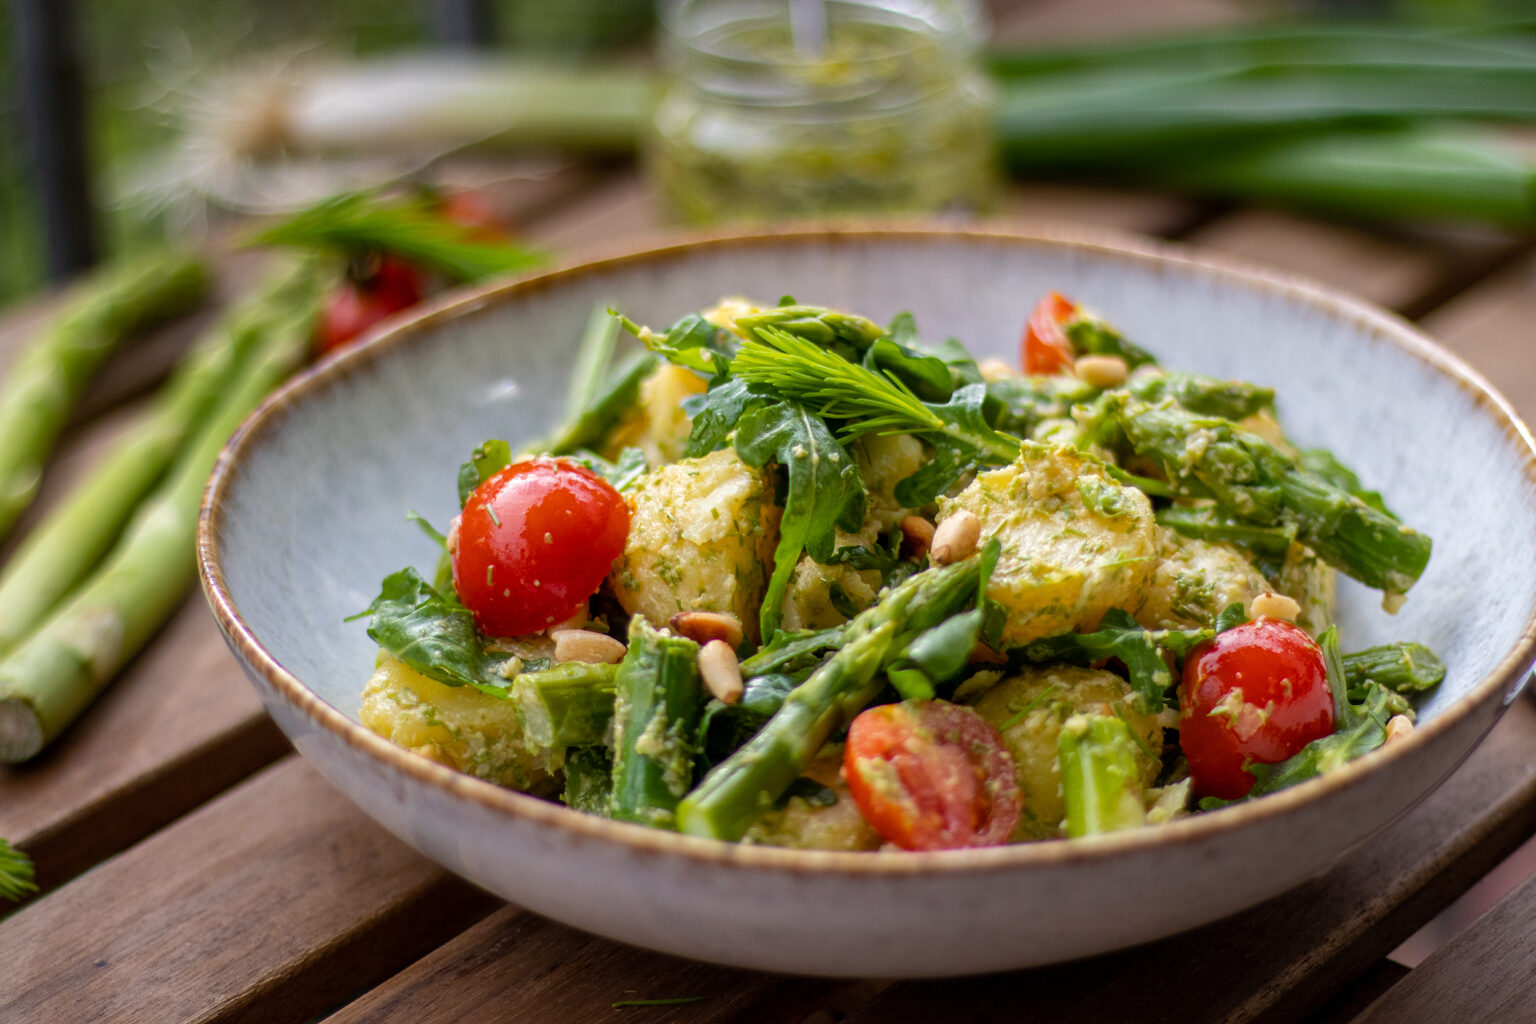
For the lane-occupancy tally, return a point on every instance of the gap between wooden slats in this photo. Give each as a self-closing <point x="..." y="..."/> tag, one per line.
<point x="1281" y="960"/>
<point x="1487" y="973"/>
<point x="269" y="904"/>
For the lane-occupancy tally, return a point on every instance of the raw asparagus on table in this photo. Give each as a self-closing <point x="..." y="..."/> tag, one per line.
<point x="737" y="792"/>
<point x="1100" y="775"/>
<point x="17" y="878"/>
<point x="657" y="703"/>
<point x="64" y="547"/>
<point x="43" y="384"/>
<point x="55" y="673"/>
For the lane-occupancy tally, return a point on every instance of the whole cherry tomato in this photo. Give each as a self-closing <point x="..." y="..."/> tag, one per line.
<point x="1256" y="693"/>
<point x="473" y="209"/>
<point x="355" y="306"/>
<point x="930" y="775"/>
<point x="535" y="540"/>
<point x="1045" y="347"/>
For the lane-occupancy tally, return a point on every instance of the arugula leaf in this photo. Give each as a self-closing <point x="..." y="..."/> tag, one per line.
<point x="692" y="342"/>
<point x="1119" y="636"/>
<point x="949" y="463"/>
<point x="716" y="412"/>
<point x="17" y="877"/>
<point x="884" y="558"/>
<point x="432" y="633"/>
<point x="484" y="462"/>
<point x="621" y="473"/>
<point x="723" y="728"/>
<point x="824" y="491"/>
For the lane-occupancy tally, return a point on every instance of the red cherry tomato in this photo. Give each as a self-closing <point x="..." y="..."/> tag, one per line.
<point x="354" y="307"/>
<point x="1258" y="692"/>
<point x="1045" y="348"/>
<point x="930" y="775"/>
<point x="535" y="541"/>
<point x="473" y="209"/>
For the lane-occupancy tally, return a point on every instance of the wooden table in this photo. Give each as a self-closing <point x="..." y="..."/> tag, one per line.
<point x="195" y="869"/>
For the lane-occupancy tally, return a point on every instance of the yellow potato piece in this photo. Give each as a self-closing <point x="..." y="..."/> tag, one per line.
<point x="1028" y="711"/>
<point x="700" y="533"/>
<point x="1194" y="580"/>
<point x="458" y="726"/>
<point x="1074" y="542"/>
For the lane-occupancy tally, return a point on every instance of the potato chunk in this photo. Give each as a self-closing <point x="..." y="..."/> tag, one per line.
<point x="700" y="532"/>
<point x="885" y="461"/>
<point x="1074" y="542"/>
<point x="657" y="425"/>
<point x="804" y="825"/>
<point x="1032" y="706"/>
<point x="1194" y="580"/>
<point x="1310" y="581"/>
<point x="454" y="725"/>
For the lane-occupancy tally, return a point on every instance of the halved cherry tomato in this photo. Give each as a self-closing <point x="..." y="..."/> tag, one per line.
<point x="535" y="540"/>
<point x="355" y="306"/>
<point x="930" y="775"/>
<point x="1045" y="348"/>
<point x="1257" y="692"/>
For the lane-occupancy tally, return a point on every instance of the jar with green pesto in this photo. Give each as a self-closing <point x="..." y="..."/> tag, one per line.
<point x="807" y="108"/>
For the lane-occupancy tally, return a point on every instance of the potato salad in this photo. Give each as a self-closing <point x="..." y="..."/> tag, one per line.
<point x="787" y="576"/>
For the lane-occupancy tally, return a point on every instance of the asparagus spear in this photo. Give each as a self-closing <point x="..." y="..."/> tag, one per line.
<point x="569" y="705"/>
<point x="1251" y="479"/>
<point x="588" y="780"/>
<point x="56" y="672"/>
<point x="1100" y="775"/>
<point x="48" y="376"/>
<point x="17" y="877"/>
<point x="64" y="547"/>
<point x="738" y="790"/>
<point x="1405" y="668"/>
<point x="656" y="715"/>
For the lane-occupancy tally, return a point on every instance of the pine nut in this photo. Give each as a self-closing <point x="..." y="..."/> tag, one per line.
<point x="1274" y="606"/>
<point x="721" y="671"/>
<point x="1101" y="371"/>
<point x="586" y="645"/>
<point x="1398" y="727"/>
<point x="955" y="538"/>
<point x="703" y="627"/>
<point x="918" y="533"/>
<point x="995" y="369"/>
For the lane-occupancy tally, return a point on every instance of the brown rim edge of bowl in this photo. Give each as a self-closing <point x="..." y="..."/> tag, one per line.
<point x="1109" y="243"/>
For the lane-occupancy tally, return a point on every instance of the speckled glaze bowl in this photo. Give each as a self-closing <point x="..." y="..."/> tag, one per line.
<point x="306" y="513"/>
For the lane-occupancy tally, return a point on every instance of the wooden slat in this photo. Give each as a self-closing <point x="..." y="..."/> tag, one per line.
<point x="1281" y="960"/>
<point x="515" y="967"/>
<point x="270" y="904"/>
<point x="1487" y="973"/>
<point x="1403" y="272"/>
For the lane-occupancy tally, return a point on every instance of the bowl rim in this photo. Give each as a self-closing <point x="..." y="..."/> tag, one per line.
<point x="1507" y="676"/>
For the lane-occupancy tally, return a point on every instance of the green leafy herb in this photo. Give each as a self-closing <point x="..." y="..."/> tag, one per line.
<point x="484" y="462"/>
<point x="824" y="491"/>
<point x="409" y="228"/>
<point x="588" y="780"/>
<point x="679" y="1001"/>
<point x="1091" y="336"/>
<point x="432" y="633"/>
<point x="605" y="407"/>
<point x="17" y="877"/>
<point x="692" y="342"/>
<point x="621" y="473"/>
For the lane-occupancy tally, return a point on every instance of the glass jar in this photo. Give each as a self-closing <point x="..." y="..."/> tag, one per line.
<point x="801" y="108"/>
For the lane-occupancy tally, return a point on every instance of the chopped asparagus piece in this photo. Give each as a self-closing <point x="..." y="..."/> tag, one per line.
<point x="1100" y="776"/>
<point x="656" y="713"/>
<point x="1406" y="668"/>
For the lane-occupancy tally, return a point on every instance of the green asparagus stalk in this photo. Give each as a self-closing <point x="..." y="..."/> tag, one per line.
<point x="589" y="781"/>
<point x="738" y="790"/>
<point x="1249" y="478"/>
<point x="49" y="375"/>
<point x="1403" y="667"/>
<point x="56" y="672"/>
<point x="656" y="715"/>
<point x="64" y="547"/>
<point x="1204" y="396"/>
<point x="1100" y="775"/>
<point x="1209" y="523"/>
<point x="569" y="705"/>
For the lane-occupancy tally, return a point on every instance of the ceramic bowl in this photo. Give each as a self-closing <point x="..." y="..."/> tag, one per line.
<point x="306" y="513"/>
